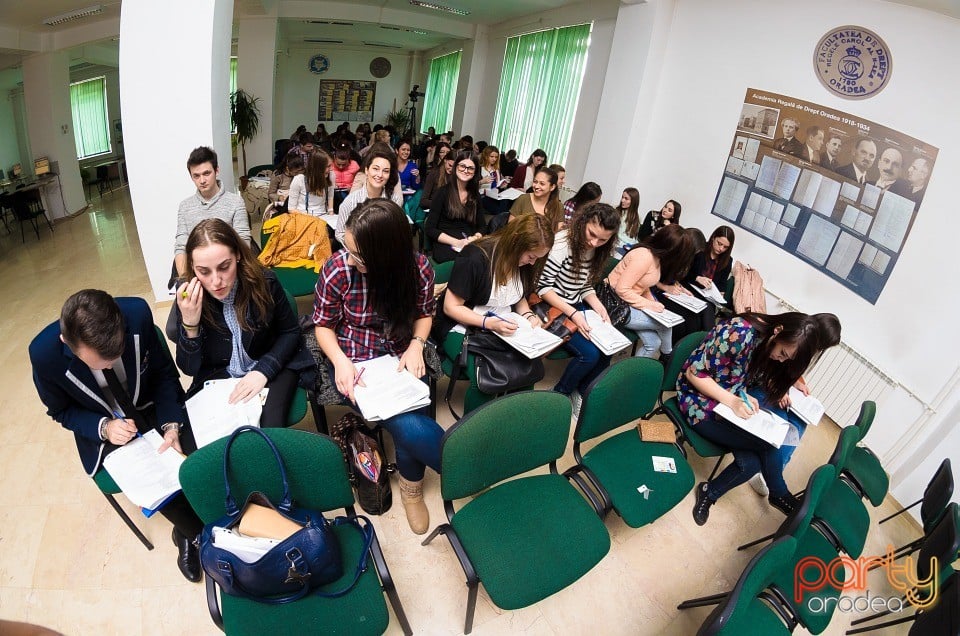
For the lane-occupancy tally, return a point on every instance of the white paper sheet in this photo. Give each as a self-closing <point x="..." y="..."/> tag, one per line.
<point x="892" y="220"/>
<point x="844" y="255"/>
<point x="213" y="417"/>
<point x="730" y="198"/>
<point x="818" y="239"/>
<point x="605" y="336"/>
<point x="146" y="477"/>
<point x="388" y="392"/>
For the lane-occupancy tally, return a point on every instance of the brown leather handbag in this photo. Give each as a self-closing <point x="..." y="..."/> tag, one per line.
<point x="554" y="320"/>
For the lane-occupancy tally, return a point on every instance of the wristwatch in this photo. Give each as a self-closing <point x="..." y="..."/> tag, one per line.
<point x="172" y="426"/>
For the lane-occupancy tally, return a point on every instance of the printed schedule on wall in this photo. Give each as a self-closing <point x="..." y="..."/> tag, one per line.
<point x="837" y="191"/>
<point x="346" y="100"/>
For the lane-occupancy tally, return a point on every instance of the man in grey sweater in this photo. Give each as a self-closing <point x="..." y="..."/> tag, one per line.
<point x="209" y="201"/>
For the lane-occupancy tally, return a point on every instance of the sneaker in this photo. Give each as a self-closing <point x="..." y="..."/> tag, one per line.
<point x="701" y="509"/>
<point x="785" y="503"/>
<point x="757" y="483"/>
<point x="577" y="400"/>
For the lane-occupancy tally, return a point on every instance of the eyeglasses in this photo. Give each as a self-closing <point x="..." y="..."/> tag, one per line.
<point x="466" y="169"/>
<point x="356" y="259"/>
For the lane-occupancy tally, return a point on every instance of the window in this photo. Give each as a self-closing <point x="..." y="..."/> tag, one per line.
<point x="539" y="90"/>
<point x="441" y="92"/>
<point x="88" y="103"/>
<point x="233" y="74"/>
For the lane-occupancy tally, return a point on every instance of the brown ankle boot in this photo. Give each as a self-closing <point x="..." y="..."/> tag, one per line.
<point x="411" y="494"/>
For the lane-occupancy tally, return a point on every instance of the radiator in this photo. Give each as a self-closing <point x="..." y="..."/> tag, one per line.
<point x="843" y="379"/>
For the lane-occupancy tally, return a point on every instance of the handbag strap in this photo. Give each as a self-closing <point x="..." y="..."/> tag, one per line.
<point x="298" y="565"/>
<point x="230" y="503"/>
<point x="459" y="364"/>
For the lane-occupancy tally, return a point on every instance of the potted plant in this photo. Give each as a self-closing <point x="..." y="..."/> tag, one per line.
<point x="400" y="120"/>
<point x="245" y="116"/>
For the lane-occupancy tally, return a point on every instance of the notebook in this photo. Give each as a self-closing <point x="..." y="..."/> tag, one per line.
<point x="388" y="392"/>
<point x="146" y="477"/>
<point x="605" y="336"/>
<point x="806" y="407"/>
<point x="529" y="341"/>
<point x="770" y="428"/>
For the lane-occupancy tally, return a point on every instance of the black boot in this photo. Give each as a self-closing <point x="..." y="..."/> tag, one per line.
<point x="701" y="509"/>
<point x="784" y="503"/>
<point x="665" y="359"/>
<point x="188" y="559"/>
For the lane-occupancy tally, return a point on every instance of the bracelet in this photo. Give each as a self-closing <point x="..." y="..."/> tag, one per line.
<point x="528" y="313"/>
<point x="186" y="326"/>
<point x="420" y="340"/>
<point x="483" y="323"/>
<point x="171" y="426"/>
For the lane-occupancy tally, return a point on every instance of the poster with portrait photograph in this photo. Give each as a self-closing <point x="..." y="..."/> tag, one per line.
<point x="835" y="190"/>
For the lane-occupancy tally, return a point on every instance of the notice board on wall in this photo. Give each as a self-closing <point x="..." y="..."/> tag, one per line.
<point x="346" y="100"/>
<point x="835" y="190"/>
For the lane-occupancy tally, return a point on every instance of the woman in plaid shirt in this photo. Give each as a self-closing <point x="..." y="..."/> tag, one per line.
<point x="375" y="298"/>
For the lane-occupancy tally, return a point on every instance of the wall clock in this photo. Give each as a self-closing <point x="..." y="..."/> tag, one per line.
<point x="380" y="67"/>
<point x="319" y="64"/>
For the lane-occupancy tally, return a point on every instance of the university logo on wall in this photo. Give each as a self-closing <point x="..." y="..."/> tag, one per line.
<point x="852" y="62"/>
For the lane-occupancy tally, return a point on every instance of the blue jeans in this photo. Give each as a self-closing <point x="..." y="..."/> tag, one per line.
<point x="653" y="336"/>
<point x="785" y="452"/>
<point x="587" y="363"/>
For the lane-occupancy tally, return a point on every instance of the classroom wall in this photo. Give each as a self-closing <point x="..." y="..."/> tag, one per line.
<point x="716" y="51"/>
<point x="298" y="90"/>
<point x="9" y="152"/>
<point x="112" y="76"/>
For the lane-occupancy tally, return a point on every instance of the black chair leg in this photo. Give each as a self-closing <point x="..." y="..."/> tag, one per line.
<point x="757" y="542"/>
<point x="713" y="599"/>
<point x="898" y="621"/>
<point x="127" y="520"/>
<point x="471" y="605"/>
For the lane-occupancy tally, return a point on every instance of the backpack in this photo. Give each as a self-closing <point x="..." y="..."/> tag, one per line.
<point x="748" y="290"/>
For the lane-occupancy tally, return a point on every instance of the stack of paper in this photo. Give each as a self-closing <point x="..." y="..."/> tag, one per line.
<point x="767" y="426"/>
<point x="666" y="317"/>
<point x="807" y="408"/>
<point x="689" y="301"/>
<point x="145" y="476"/>
<point x="248" y="549"/>
<point x="388" y="392"/>
<point x="607" y="337"/>
<point x="712" y="294"/>
<point x="511" y="194"/>
<point x="529" y="341"/>
<point x="213" y="417"/>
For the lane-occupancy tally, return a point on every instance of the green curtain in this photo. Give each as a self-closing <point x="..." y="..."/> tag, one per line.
<point x="233" y="75"/>
<point x="539" y="90"/>
<point x="91" y="130"/>
<point x="441" y="92"/>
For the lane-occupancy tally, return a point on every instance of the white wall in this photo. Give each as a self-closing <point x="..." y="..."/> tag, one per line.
<point x="298" y="90"/>
<point x="715" y="52"/>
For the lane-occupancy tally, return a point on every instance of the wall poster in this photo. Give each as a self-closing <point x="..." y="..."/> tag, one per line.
<point x="346" y="100"/>
<point x="837" y="191"/>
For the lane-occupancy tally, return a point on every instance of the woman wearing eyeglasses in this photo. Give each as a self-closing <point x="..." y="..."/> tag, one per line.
<point x="456" y="217"/>
<point x="375" y="298"/>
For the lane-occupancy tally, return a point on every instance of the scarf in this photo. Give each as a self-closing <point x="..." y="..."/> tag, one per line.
<point x="240" y="362"/>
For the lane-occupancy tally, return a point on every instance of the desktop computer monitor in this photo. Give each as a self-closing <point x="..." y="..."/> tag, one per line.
<point x="16" y="170"/>
<point x="41" y="166"/>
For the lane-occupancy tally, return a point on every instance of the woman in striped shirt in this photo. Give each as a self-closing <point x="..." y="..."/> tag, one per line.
<point x="573" y="267"/>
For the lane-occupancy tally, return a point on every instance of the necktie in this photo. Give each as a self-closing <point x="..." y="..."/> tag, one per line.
<point x="124" y="402"/>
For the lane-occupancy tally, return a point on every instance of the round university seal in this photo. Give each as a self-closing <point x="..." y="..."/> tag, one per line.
<point x="852" y="62"/>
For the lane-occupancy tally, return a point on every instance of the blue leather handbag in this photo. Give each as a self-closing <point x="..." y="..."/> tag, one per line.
<point x="293" y="568"/>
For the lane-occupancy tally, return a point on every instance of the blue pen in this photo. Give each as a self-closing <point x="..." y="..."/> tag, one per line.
<point x="743" y="396"/>
<point x="491" y="314"/>
<point x="116" y="415"/>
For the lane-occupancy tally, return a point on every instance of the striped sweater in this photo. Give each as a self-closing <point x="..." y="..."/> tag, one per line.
<point x="558" y="272"/>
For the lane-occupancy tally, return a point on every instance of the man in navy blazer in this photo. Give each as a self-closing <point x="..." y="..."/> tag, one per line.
<point x="98" y="336"/>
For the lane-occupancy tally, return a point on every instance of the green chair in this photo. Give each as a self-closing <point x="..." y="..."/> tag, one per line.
<point x="751" y="608"/>
<point x="619" y="465"/>
<point x="671" y="408"/>
<point x="936" y="498"/>
<point x="441" y="272"/>
<point x="863" y="469"/>
<point x="528" y="537"/>
<point x="298" y="407"/>
<point x="318" y="480"/>
<point x="840" y="514"/>
<point x="109" y="488"/>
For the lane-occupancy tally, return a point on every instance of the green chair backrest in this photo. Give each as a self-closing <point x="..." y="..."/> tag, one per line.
<point x="608" y="266"/>
<point x="681" y="351"/>
<point x="845" y="445"/>
<point x="441" y="272"/>
<point x="315" y="470"/>
<point x="503" y="438"/>
<point x="728" y="292"/>
<point x="411" y="205"/>
<point x="821" y="479"/>
<point x="624" y="392"/>
<point x="291" y="300"/>
<point x="868" y="411"/>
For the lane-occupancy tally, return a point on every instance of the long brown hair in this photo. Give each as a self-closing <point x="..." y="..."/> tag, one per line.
<point x="470" y="210"/>
<point x="505" y="247"/>
<point x="253" y="301"/>
<point x="724" y="231"/>
<point x="552" y="209"/>
<point x="608" y="218"/>
<point x="807" y="332"/>
<point x="633" y="212"/>
<point x="316" y="172"/>
<point x="673" y="248"/>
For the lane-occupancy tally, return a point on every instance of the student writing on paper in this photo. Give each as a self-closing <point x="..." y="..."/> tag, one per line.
<point x="375" y="298"/>
<point x="235" y="322"/>
<point x="711" y="268"/>
<point x="663" y="255"/>
<point x="495" y="274"/>
<point x="574" y="265"/>
<point x="104" y="374"/>
<point x="769" y="352"/>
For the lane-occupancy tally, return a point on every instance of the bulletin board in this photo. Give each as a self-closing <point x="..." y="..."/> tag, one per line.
<point x="346" y="100"/>
<point x="839" y="192"/>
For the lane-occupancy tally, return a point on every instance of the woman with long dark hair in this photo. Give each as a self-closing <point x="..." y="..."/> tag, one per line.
<point x="235" y="322"/>
<point x="407" y="167"/>
<point x="380" y="172"/>
<point x="543" y="199"/>
<point x="456" y="217"/>
<point x="375" y="298"/>
<point x="629" y="210"/>
<point x="765" y="355"/>
<point x="567" y="282"/>
<point x="438" y="177"/>
<point x="710" y="268"/>
<point x="492" y="275"/>
<point x="656" y="219"/>
<point x="589" y="192"/>
<point x="665" y="254"/>
<point x="311" y="191"/>
<point x="523" y="177"/>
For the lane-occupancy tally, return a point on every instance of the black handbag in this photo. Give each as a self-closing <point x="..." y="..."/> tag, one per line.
<point x="293" y="568"/>
<point x="617" y="308"/>
<point x="500" y="367"/>
<point x="365" y="462"/>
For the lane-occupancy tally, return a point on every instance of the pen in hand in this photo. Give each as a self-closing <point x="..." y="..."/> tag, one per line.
<point x="746" y="401"/>
<point x="356" y="379"/>
<point x="491" y="314"/>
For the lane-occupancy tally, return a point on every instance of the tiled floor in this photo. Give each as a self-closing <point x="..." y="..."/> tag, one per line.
<point x="67" y="562"/>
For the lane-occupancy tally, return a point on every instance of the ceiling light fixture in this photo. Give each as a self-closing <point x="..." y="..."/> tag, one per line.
<point x="439" y="7"/>
<point x="77" y="14"/>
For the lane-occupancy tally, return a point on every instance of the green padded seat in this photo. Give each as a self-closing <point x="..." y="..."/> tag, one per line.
<point x="624" y="462"/>
<point x="299" y="281"/>
<point x="849" y="520"/>
<point x="700" y="444"/>
<point x="810" y="543"/>
<point x="864" y="467"/>
<point x="754" y="619"/>
<point x="362" y="611"/>
<point x="298" y="407"/>
<point x="518" y="562"/>
<point x="105" y="483"/>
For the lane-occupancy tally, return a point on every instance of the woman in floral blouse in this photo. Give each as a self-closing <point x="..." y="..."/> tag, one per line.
<point x="761" y="353"/>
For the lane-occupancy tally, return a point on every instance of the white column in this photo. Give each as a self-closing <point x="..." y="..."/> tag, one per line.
<point x="466" y="109"/>
<point x="173" y="98"/>
<point x="46" y="93"/>
<point x="256" y="71"/>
